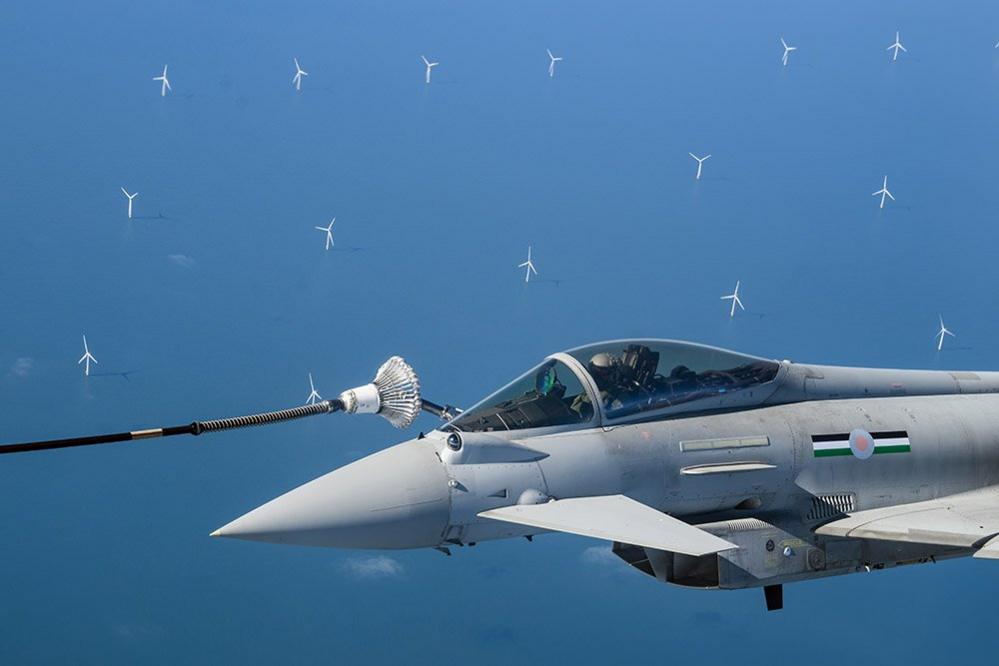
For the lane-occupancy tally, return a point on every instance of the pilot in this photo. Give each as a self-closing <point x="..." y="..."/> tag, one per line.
<point x="682" y="379"/>
<point x="603" y="367"/>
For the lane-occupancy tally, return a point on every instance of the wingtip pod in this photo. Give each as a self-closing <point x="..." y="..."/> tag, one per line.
<point x="394" y="394"/>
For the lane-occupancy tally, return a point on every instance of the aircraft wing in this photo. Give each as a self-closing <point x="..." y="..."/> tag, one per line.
<point x="614" y="518"/>
<point x="966" y="520"/>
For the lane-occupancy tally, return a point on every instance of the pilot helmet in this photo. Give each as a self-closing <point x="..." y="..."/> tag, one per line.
<point x="602" y="364"/>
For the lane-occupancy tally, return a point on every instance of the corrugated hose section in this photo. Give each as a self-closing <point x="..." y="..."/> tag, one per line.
<point x="250" y="420"/>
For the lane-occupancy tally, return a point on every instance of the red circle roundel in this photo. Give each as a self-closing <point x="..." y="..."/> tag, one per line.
<point x="861" y="443"/>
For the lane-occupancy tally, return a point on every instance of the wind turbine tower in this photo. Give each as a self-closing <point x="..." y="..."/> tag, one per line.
<point x="734" y="297"/>
<point x="529" y="264"/>
<point x="87" y="358"/>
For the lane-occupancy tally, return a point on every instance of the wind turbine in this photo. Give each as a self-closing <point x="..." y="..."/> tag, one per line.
<point x="130" y="197"/>
<point x="329" y="233"/>
<point x="551" y="65"/>
<point x="700" y="163"/>
<point x="884" y="193"/>
<point x="734" y="297"/>
<point x="87" y="357"/>
<point x="166" y="82"/>
<point x="787" y="51"/>
<point x="530" y="266"/>
<point x="429" y="65"/>
<point x="299" y="73"/>
<point x="897" y="46"/>
<point x="943" y="331"/>
<point x="313" y="393"/>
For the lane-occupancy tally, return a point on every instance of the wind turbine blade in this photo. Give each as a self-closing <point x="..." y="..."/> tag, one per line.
<point x="889" y="195"/>
<point x="903" y="48"/>
<point x="550" y="54"/>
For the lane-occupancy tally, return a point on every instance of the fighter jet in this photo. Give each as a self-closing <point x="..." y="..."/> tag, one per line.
<point x="702" y="467"/>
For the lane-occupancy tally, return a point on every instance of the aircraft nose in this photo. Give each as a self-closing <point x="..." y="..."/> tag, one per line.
<point x="396" y="498"/>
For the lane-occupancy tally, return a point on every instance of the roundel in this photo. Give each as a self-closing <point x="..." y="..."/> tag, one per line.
<point x="861" y="443"/>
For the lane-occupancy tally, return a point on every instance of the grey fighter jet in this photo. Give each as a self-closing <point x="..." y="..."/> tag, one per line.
<point x="704" y="467"/>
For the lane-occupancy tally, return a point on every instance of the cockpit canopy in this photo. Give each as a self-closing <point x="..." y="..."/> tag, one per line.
<point x="630" y="379"/>
<point x="634" y="376"/>
<point x="548" y="395"/>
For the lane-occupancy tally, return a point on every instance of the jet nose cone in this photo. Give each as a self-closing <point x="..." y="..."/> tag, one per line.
<point x="396" y="498"/>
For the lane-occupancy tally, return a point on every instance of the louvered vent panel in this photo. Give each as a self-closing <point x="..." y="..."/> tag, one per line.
<point x="828" y="506"/>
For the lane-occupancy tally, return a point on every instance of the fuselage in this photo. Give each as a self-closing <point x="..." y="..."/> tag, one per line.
<point x="762" y="462"/>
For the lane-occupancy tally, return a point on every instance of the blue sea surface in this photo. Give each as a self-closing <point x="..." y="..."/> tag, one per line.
<point x="218" y="298"/>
